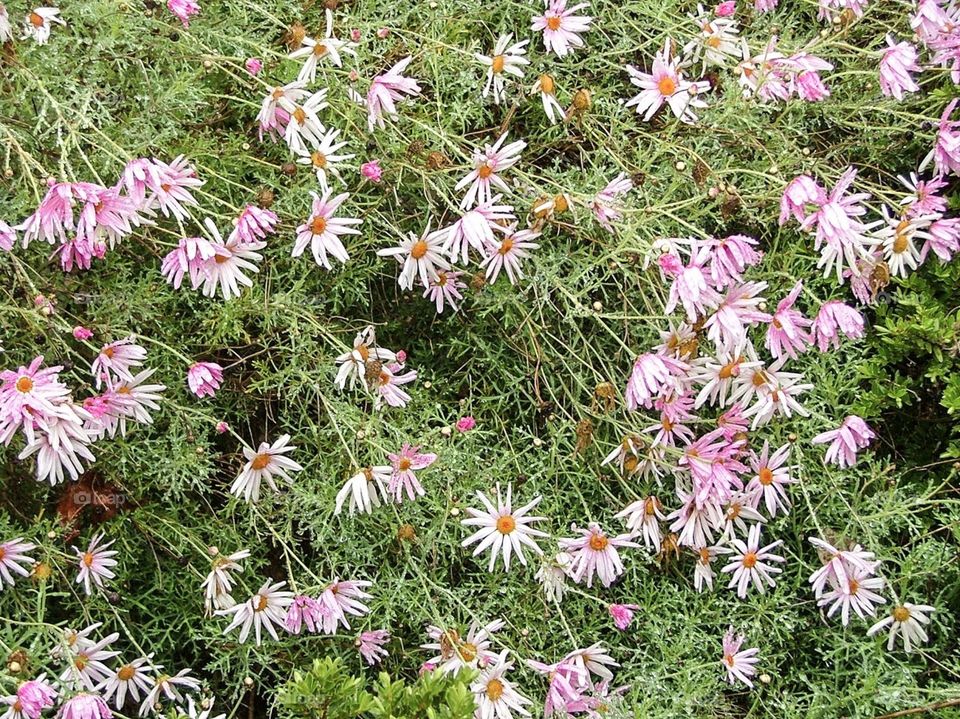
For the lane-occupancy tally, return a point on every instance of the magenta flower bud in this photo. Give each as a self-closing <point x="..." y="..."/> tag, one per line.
<point x="222" y="427"/>
<point x="465" y="424"/>
<point x="355" y="34"/>
<point x="726" y="9"/>
<point x="253" y="65"/>
<point x="82" y="333"/>
<point x="372" y="170"/>
<point x="204" y="378"/>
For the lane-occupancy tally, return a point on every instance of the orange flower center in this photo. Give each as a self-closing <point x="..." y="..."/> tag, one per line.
<point x="506" y="524"/>
<point x="108" y="352"/>
<point x="901" y="614"/>
<point x="766" y="476"/>
<point x="277" y="93"/>
<point x="704" y="556"/>
<point x="80" y="662"/>
<point x="418" y="250"/>
<point x="364" y="352"/>
<point x="713" y="41"/>
<point x="733" y="511"/>
<point x="553" y="23"/>
<point x="126" y="673"/>
<point x="728" y="658"/>
<point x="667" y="86"/>
<point x="260" y="461"/>
<point x="560" y="203"/>
<point x="318" y="159"/>
<point x="494" y="689"/>
<point x="319" y="49"/>
<point x="506" y="246"/>
<point x="24" y="384"/>
<point x="36" y="19"/>
<point x="728" y="370"/>
<point x="649" y="506"/>
<point x="901" y="240"/>
<point x="319" y="225"/>
<point x="88" y="559"/>
<point x="759" y="378"/>
<point x="854" y="586"/>
<point x="468" y="651"/>
<point x="300" y="116"/>
<point x="261" y="603"/>
<point x="598" y="542"/>
<point x="547" y="85"/>
<point x="404" y="464"/>
<point x="750" y="560"/>
<point x="484" y="171"/>
<point x="498" y="62"/>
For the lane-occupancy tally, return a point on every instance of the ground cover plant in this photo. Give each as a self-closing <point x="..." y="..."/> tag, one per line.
<point x="450" y="359"/>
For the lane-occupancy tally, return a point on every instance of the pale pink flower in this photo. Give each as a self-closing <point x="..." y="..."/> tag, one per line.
<point x="750" y="563"/>
<point x="594" y="553"/>
<point x="340" y="598"/>
<point x="114" y="361"/>
<point x="665" y="84"/>
<point x="403" y="478"/>
<point x="703" y="573"/>
<point x="262" y="464"/>
<point x="924" y="197"/>
<point x="487" y="163"/>
<point x="898" y="61"/>
<point x="730" y="257"/>
<point x="95" y="563"/>
<point x="929" y="19"/>
<point x="85" y="706"/>
<point x="605" y="205"/>
<point x="738" y="663"/>
<point x="799" y="193"/>
<point x="946" y="149"/>
<point x="303" y="611"/>
<point x="420" y="256"/>
<point x="643" y="517"/>
<point x="561" y="27"/>
<point x="846" y="441"/>
<point x="253" y="65"/>
<point x="8" y="236"/>
<point x="60" y="443"/>
<point x="622" y="614"/>
<point x="322" y="231"/>
<point x="905" y="620"/>
<point x="787" y="334"/>
<point x="225" y="270"/>
<point x="13" y="554"/>
<point x="836" y="318"/>
<point x="503" y="530"/>
<point x="465" y="424"/>
<point x="129" y="398"/>
<point x="266" y="609"/>
<point x="191" y="255"/>
<point x="654" y="376"/>
<point x="859" y="592"/>
<point x="838" y="565"/>
<point x="726" y="8"/>
<point x="129" y="680"/>
<point x="944" y="240"/>
<point x="736" y="311"/>
<point x="388" y="384"/>
<point x="370" y="645"/>
<point x="204" y="378"/>
<point x="765" y="5"/>
<point x="273" y="117"/>
<point x="87" y="665"/>
<point x="476" y="228"/>
<point x="34" y="696"/>
<point x="183" y="10"/>
<point x="771" y="479"/>
<point x="372" y="171"/>
<point x="169" y="686"/>
<point x="81" y="333"/>
<point x="508" y="253"/>
<point x="386" y="91"/>
<point x="690" y="287"/>
<point x="445" y="289"/>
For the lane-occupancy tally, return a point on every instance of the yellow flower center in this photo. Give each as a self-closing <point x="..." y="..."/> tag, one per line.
<point x="318" y="159"/>
<point x="498" y="62"/>
<point x="126" y="672"/>
<point x="901" y="614"/>
<point x="468" y="651"/>
<point x="404" y="464"/>
<point x="547" y="85"/>
<point x="300" y="115"/>
<point x="494" y="689"/>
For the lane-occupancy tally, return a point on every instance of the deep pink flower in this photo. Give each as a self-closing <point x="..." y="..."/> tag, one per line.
<point x="403" y="478"/>
<point x="34" y="696"/>
<point x="787" y="333"/>
<point x="726" y="9"/>
<point x="254" y="65"/>
<point x="222" y="427"/>
<point x="801" y="191"/>
<point x="622" y="614"/>
<point x="846" y="441"/>
<point x="304" y="611"/>
<point x="465" y="424"/>
<point x="27" y="395"/>
<point x="183" y="10"/>
<point x="833" y="319"/>
<point x="946" y="149"/>
<point x="654" y="376"/>
<point x="355" y="34"/>
<point x="730" y="257"/>
<point x="370" y="644"/>
<point x="85" y="706"/>
<point x="386" y="91"/>
<point x="383" y="32"/>
<point x="191" y="255"/>
<point x="253" y="225"/>
<point x="898" y="61"/>
<point x="204" y="378"/>
<point x="809" y="86"/>
<point x="82" y="333"/>
<point x="372" y="170"/>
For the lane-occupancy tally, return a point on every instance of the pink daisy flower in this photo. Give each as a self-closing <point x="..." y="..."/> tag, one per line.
<point x="594" y="553"/>
<point x="561" y="27"/>
<point x="833" y="319"/>
<point x="341" y="598"/>
<point x="846" y="441"/>
<point x="730" y="257"/>
<point x="191" y="255"/>
<point x="420" y="256"/>
<point x="799" y="193"/>
<point x="85" y="706"/>
<point x="503" y="530"/>
<point x="14" y="560"/>
<point x="944" y="240"/>
<point x="8" y="236"/>
<point x="898" y="61"/>
<point x="385" y="91"/>
<point x="266" y="609"/>
<point x="95" y="563"/>
<point x="946" y="148"/>
<point x="115" y="360"/>
<point x="664" y="84"/>
<point x="924" y="197"/>
<point x="445" y="290"/>
<point x="476" y="228"/>
<point x="643" y="517"/>
<point x="605" y="204"/>
<point x="787" y="334"/>
<point x="403" y="478"/>
<point x="508" y="253"/>
<point x="484" y="176"/>
<point x="690" y="287"/>
<point x="738" y="663"/>
<point x="388" y="386"/>
<point x="622" y="614"/>
<point x="204" y="378"/>
<point x="183" y="10"/>
<point x="654" y="376"/>
<point x="34" y="696"/>
<point x="303" y="611"/>
<point x="771" y="479"/>
<point x="370" y="645"/>
<point x="254" y="224"/>
<point x="27" y="394"/>
<point x="323" y="231"/>
<point x="859" y="592"/>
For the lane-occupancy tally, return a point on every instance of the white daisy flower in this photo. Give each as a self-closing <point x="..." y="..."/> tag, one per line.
<point x="503" y="530"/>
<point x="506" y="59"/>
<point x="263" y="464"/>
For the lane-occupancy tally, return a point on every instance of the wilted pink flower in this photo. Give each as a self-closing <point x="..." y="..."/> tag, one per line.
<point x="304" y="611"/>
<point x="653" y="376"/>
<point x="622" y="614"/>
<point x="388" y="385"/>
<point x="833" y="319"/>
<point x="254" y="224"/>
<point x="383" y="32"/>
<point x="898" y="61"/>
<point x="183" y="9"/>
<point x="371" y="170"/>
<point x="730" y="257"/>
<point x="222" y="427"/>
<point x="726" y="9"/>
<point x="371" y="643"/>
<point x="944" y="239"/>
<point x="787" y="334"/>
<point x="690" y="287"/>
<point x="191" y="255"/>
<point x="476" y="228"/>
<point x="465" y="424"/>
<point x="82" y="333"/>
<point x="809" y="86"/>
<point x="739" y="664"/>
<point x="115" y="360"/>
<point x="355" y="34"/>
<point x="929" y="19"/>
<point x="341" y="598"/>
<point x="386" y="91"/>
<point x="605" y="205"/>
<point x="801" y="191"/>
<point x="846" y="441"/>
<point x="253" y="65"/>
<point x="34" y="696"/>
<point x="946" y="148"/>
<point x="204" y="378"/>
<point x="764" y="5"/>
<point x="8" y="236"/>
